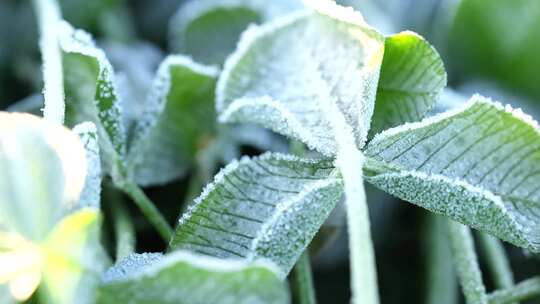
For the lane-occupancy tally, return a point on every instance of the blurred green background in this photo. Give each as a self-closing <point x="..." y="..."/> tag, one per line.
<point x="490" y="47"/>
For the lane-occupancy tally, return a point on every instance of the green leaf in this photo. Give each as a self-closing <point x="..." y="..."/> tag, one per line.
<point x="209" y="29"/>
<point x="306" y="76"/>
<point x="42" y="167"/>
<point x="178" y="117"/>
<point x="412" y="77"/>
<point x="497" y="40"/>
<point x="135" y="67"/>
<point x="74" y="259"/>
<point x="185" y="278"/>
<point x="91" y="94"/>
<point x="91" y="193"/>
<point x="477" y="165"/>
<point x="264" y="207"/>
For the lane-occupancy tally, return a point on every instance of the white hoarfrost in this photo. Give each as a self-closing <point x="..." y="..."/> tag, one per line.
<point x="186" y="277"/>
<point x="300" y="61"/>
<point x="312" y="76"/>
<point x="106" y="112"/>
<point x="49" y="17"/>
<point x="265" y="207"/>
<point x="476" y="164"/>
<point x="91" y="194"/>
<point x="169" y="110"/>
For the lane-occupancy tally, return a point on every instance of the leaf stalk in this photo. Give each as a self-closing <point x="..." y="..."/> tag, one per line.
<point x="466" y="262"/>
<point x="148" y="208"/>
<point x="303" y="280"/>
<point x="520" y="292"/>
<point x="48" y="17"/>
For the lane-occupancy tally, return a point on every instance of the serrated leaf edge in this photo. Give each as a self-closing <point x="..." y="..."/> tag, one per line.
<point x="476" y="98"/>
<point x="248" y="37"/>
<point x="204" y="262"/>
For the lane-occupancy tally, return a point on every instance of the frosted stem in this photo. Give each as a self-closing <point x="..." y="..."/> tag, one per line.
<point x="524" y="290"/>
<point x="48" y="16"/>
<point x="466" y="263"/>
<point x="362" y="257"/>
<point x="496" y="259"/>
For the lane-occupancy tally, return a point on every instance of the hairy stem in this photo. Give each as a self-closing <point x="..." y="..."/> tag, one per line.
<point x="48" y="16"/>
<point x="441" y="277"/>
<point x="524" y="290"/>
<point x="148" y="208"/>
<point x="303" y="281"/>
<point x="495" y="255"/>
<point x="466" y="263"/>
<point x="362" y="256"/>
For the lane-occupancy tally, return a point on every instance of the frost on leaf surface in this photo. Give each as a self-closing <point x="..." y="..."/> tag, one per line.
<point x="130" y="265"/>
<point x="42" y="168"/>
<point x="135" y="66"/>
<point x="269" y="206"/>
<point x="412" y="77"/>
<point x="284" y="74"/>
<point x="208" y="30"/>
<point x="186" y="278"/>
<point x="478" y="165"/>
<point x="91" y="92"/>
<point x="179" y="115"/>
<point x="90" y="196"/>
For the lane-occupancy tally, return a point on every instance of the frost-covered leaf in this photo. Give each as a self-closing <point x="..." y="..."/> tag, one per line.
<point x="208" y="30"/>
<point x="74" y="259"/>
<point x="91" y="94"/>
<point x="477" y="164"/>
<point x="301" y="74"/>
<point x="42" y="168"/>
<point x="135" y="65"/>
<point x="185" y="278"/>
<point x="90" y="196"/>
<point x="412" y="77"/>
<point x="264" y="207"/>
<point x="130" y="266"/>
<point x="178" y="115"/>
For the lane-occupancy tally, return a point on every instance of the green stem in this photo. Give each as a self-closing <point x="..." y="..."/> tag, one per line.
<point x="441" y="277"/>
<point x="466" y="263"/>
<point x="522" y="291"/>
<point x="124" y="231"/>
<point x="498" y="264"/>
<point x="303" y="281"/>
<point x="148" y="208"/>
<point x="49" y="17"/>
